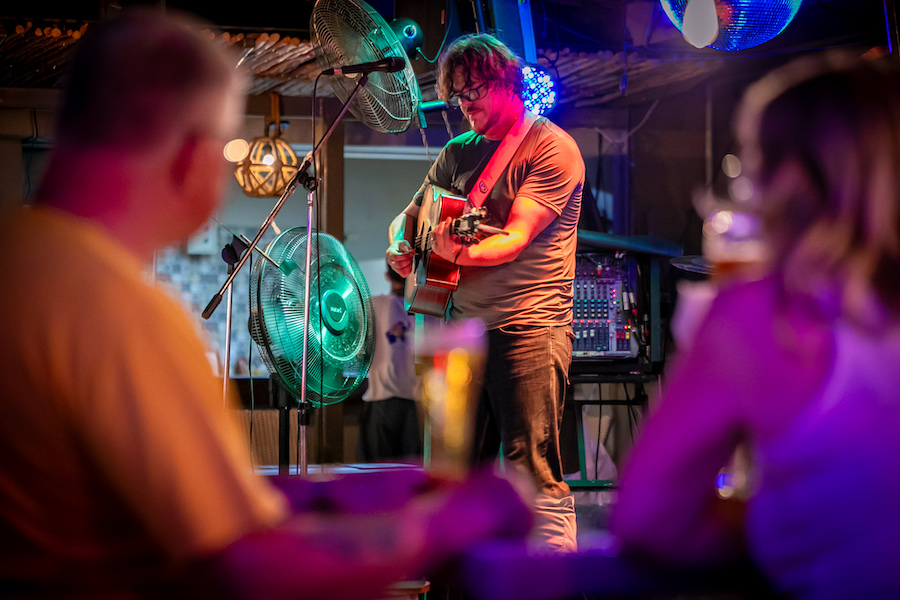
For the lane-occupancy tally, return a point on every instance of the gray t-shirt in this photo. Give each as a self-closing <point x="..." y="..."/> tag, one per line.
<point x="535" y="289"/>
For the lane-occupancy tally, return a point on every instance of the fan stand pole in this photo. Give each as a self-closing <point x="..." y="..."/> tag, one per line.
<point x="301" y="178"/>
<point x="303" y="414"/>
<point x="310" y="184"/>
<point x="226" y="369"/>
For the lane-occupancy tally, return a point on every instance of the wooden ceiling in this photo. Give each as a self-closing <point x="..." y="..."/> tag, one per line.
<point x="34" y="52"/>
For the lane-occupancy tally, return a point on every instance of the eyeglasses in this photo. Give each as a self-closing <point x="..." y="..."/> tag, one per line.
<point x="476" y="93"/>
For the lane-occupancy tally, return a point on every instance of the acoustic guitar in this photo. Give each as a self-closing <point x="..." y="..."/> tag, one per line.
<point x="433" y="279"/>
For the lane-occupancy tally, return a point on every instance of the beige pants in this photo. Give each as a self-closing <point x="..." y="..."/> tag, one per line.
<point x="554" y="523"/>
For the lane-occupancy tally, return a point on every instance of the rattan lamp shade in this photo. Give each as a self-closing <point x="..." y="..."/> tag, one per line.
<point x="270" y="163"/>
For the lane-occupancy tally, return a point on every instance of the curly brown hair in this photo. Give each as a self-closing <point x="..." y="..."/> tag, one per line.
<point x="484" y="56"/>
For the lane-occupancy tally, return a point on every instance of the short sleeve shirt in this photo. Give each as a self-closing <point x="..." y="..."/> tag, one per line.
<point x="535" y="289"/>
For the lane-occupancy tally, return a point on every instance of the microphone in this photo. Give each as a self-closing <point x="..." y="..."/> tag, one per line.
<point x="434" y="106"/>
<point x="391" y="64"/>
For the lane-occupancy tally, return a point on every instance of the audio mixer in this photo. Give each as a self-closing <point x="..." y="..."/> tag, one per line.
<point x="602" y="308"/>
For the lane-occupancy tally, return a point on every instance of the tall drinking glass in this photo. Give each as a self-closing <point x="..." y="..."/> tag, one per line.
<point x="452" y="358"/>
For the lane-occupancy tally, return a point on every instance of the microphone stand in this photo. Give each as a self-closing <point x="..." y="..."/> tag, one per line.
<point x="301" y="178"/>
<point x="226" y="370"/>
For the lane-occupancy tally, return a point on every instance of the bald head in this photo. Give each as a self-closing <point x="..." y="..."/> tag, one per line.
<point x="139" y="78"/>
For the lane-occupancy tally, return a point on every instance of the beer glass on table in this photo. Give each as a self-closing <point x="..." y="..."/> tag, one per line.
<point x="452" y="358"/>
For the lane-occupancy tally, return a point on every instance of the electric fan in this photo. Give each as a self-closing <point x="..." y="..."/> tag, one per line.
<point x="350" y="32"/>
<point x="341" y="320"/>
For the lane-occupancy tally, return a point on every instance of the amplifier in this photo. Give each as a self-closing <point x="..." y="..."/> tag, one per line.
<point x="602" y="308"/>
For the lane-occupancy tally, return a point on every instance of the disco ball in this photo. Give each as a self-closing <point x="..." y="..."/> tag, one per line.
<point x="738" y="24"/>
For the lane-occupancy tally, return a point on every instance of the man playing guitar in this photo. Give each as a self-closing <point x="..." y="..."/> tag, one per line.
<point x="520" y="283"/>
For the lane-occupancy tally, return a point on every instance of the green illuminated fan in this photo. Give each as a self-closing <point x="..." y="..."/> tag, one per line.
<point x="341" y="320"/>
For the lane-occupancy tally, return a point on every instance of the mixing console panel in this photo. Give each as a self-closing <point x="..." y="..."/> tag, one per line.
<point x="602" y="305"/>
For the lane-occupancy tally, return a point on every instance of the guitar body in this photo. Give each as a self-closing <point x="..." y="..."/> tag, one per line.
<point x="433" y="279"/>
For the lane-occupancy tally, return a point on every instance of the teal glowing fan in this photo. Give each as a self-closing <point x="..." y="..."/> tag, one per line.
<point x="341" y="320"/>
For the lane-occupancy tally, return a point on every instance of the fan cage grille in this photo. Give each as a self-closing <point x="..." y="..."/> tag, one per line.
<point x="338" y="359"/>
<point x="350" y="32"/>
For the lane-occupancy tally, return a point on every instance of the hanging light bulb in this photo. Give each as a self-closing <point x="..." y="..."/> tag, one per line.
<point x="741" y="23"/>
<point x="270" y="163"/>
<point x="701" y="23"/>
<point x="236" y="150"/>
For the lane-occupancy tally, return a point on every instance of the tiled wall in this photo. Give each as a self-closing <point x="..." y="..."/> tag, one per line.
<point x="196" y="277"/>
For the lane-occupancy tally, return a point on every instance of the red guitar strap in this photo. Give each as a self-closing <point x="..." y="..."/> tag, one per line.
<point x="501" y="158"/>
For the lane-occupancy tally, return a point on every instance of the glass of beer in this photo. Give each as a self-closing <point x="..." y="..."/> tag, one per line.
<point x="452" y="358"/>
<point x="733" y="245"/>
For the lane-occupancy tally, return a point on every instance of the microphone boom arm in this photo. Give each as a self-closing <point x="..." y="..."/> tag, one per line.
<point x="302" y="177"/>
